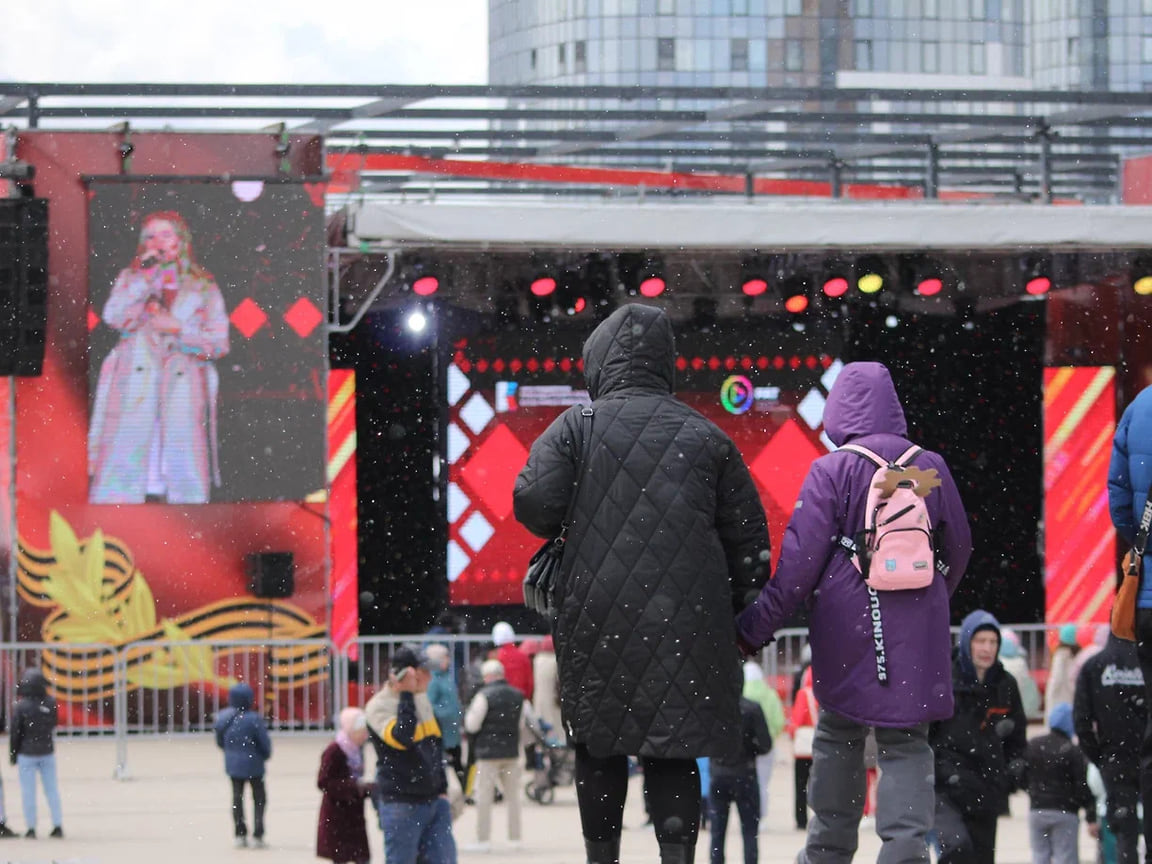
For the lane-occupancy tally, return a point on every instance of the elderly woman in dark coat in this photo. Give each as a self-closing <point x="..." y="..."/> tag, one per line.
<point x="342" y="834"/>
<point x="668" y="541"/>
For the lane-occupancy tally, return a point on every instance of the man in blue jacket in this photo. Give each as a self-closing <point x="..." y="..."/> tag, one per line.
<point x="415" y="815"/>
<point x="880" y="659"/>
<point x="1129" y="478"/>
<point x="242" y="735"/>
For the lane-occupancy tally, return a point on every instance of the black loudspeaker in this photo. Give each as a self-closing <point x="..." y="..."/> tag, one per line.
<point x="271" y="574"/>
<point x="23" y="285"/>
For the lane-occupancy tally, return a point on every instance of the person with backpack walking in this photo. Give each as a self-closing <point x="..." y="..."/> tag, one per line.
<point x="877" y="543"/>
<point x="733" y="781"/>
<point x="1129" y="483"/>
<point x="242" y="735"/>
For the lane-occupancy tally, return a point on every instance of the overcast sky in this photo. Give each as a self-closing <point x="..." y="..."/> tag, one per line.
<point x="246" y="41"/>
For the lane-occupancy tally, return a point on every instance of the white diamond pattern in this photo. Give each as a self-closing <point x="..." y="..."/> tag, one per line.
<point x="457" y="560"/>
<point x="831" y="374"/>
<point x="811" y="408"/>
<point x="458" y="384"/>
<point x="457" y="503"/>
<point x="457" y="443"/>
<point x="476" y="413"/>
<point x="476" y="531"/>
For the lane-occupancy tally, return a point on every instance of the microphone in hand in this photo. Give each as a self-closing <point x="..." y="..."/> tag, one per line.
<point x="149" y="260"/>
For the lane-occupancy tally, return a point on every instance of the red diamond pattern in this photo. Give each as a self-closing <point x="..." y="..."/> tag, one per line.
<point x="303" y="316"/>
<point x="93" y="319"/>
<point x="782" y="465"/>
<point x="491" y="472"/>
<point x="248" y="317"/>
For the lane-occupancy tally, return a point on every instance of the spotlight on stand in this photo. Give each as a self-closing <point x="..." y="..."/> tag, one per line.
<point x="542" y="279"/>
<point x="927" y="278"/>
<point x="416" y="321"/>
<point x="599" y="287"/>
<point x="754" y="276"/>
<point x="421" y="277"/>
<point x="1037" y="274"/>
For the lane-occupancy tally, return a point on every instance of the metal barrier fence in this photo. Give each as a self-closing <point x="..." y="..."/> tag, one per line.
<point x="176" y="688"/>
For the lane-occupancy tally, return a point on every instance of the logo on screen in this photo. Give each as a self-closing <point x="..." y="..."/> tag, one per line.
<point x="736" y="394"/>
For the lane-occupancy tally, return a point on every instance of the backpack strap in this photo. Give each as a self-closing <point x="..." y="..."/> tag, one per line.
<point x="879" y="461"/>
<point x="907" y="456"/>
<point x="854" y="544"/>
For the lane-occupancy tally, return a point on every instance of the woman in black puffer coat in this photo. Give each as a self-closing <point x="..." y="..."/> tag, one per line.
<point x="668" y="542"/>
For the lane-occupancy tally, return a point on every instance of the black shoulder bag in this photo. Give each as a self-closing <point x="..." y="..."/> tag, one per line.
<point x="542" y="580"/>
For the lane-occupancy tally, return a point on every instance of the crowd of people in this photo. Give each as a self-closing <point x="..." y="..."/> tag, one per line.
<point x="664" y="605"/>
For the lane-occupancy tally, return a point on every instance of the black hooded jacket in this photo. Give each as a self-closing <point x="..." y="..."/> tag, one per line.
<point x="668" y="541"/>
<point x="1109" y="712"/>
<point x="34" y="718"/>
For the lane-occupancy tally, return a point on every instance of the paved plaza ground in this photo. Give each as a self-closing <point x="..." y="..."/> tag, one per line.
<point x="174" y="809"/>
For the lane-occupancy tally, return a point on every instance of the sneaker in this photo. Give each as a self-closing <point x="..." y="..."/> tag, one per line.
<point x="259" y="843"/>
<point x="57" y="832"/>
<point x="5" y="831"/>
<point x="30" y="833"/>
<point x="240" y="842"/>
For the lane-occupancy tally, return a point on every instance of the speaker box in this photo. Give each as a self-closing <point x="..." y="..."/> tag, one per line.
<point x="23" y="285"/>
<point x="271" y="574"/>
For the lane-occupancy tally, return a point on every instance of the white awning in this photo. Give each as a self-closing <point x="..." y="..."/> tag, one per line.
<point x="776" y="225"/>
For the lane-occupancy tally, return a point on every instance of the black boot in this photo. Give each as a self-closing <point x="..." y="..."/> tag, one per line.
<point x="603" y="851"/>
<point x="677" y="853"/>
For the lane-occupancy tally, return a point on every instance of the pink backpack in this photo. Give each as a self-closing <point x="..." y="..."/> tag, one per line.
<point x="895" y="552"/>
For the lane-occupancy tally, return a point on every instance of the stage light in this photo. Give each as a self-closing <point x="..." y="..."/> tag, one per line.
<point x="929" y="286"/>
<point x="926" y="275"/>
<point x="1037" y="275"/>
<point x="543" y="286"/>
<point x="754" y="287"/>
<point x="795" y="294"/>
<point x="653" y="286"/>
<point x="1141" y="271"/>
<point x="755" y="275"/>
<point x="416" y="322"/>
<point x="836" y="279"/>
<point x="426" y="286"/>
<point x="870" y="271"/>
<point x="1143" y="286"/>
<point x="651" y="277"/>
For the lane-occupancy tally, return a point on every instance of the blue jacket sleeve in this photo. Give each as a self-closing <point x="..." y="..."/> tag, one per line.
<point x="1120" y="482"/>
<point x="808" y="541"/>
<point x="404" y="731"/>
<point x="263" y="741"/>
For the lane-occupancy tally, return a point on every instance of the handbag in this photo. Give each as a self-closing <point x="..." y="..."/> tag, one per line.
<point x="542" y="580"/>
<point x="804" y="736"/>
<point x="1123" y="621"/>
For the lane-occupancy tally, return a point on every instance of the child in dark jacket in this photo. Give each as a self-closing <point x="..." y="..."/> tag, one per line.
<point x="1058" y="787"/>
<point x="733" y="780"/>
<point x="343" y="834"/>
<point x="32" y="749"/>
<point x="242" y="735"/>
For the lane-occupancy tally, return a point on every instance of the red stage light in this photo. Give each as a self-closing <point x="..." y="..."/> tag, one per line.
<point x="836" y="287"/>
<point x="797" y="303"/>
<point x="929" y="287"/>
<point x="1038" y="286"/>
<point x="580" y="304"/>
<point x="426" y="286"/>
<point x="652" y="287"/>
<point x="543" y="286"/>
<point x="754" y="287"/>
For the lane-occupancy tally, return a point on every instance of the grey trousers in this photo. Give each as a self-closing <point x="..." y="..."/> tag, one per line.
<point x="905" y="804"/>
<point x="1055" y="837"/>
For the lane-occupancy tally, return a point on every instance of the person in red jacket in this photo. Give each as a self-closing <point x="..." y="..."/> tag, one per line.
<point x="517" y="663"/>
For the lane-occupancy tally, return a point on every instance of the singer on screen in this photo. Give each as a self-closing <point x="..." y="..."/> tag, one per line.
<point x="153" y="429"/>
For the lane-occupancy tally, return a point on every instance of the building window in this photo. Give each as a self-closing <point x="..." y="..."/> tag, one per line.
<point x="930" y="57"/>
<point x="862" y="8"/>
<point x="562" y="55"/>
<point x="931" y="8"/>
<point x="580" y="55"/>
<point x="739" y="7"/>
<point x="739" y="55"/>
<point x="793" y="7"/>
<point x="666" y="55"/>
<point x="667" y="7"/>
<point x="978" y="58"/>
<point x="863" y="51"/>
<point x="1146" y="52"/>
<point x="532" y="59"/>
<point x="979" y="13"/>
<point x="1073" y="49"/>
<point x="794" y="56"/>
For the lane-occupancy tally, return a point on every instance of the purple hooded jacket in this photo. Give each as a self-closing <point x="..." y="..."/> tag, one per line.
<point x="863" y="408"/>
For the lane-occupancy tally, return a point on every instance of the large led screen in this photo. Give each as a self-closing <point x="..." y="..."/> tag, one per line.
<point x="207" y="356"/>
<point x="766" y="390"/>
